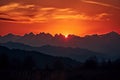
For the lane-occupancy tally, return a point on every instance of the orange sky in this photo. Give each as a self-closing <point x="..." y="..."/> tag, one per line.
<point x="79" y="17"/>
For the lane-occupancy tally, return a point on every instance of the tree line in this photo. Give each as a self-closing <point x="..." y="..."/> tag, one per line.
<point x="26" y="69"/>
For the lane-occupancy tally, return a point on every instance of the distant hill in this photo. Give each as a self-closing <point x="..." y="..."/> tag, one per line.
<point x="74" y="53"/>
<point x="108" y="43"/>
<point x="40" y="59"/>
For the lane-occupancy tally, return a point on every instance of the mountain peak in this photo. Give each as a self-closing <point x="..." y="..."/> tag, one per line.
<point x="30" y="34"/>
<point x="9" y="35"/>
<point x="113" y="33"/>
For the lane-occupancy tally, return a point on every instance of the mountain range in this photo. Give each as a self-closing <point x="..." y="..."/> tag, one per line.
<point x="105" y="43"/>
<point x="73" y="53"/>
<point x="75" y="47"/>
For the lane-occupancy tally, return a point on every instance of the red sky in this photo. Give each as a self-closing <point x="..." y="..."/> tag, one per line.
<point x="79" y="17"/>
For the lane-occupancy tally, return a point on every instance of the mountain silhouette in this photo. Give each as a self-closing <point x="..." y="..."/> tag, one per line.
<point x="40" y="59"/>
<point x="106" y="43"/>
<point x="78" y="54"/>
<point x="56" y="57"/>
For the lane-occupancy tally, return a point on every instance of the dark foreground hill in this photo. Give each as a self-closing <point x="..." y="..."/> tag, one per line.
<point x="39" y="59"/>
<point x="18" y="64"/>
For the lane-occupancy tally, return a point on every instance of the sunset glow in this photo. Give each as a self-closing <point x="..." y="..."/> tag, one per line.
<point x="66" y="36"/>
<point x="79" y="17"/>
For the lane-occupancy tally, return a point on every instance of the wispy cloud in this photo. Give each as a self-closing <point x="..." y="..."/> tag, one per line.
<point x="100" y="3"/>
<point x="29" y="13"/>
<point x="13" y="6"/>
<point x="7" y="19"/>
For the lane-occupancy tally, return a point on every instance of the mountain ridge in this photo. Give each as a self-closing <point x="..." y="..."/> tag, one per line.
<point x="40" y="59"/>
<point x="73" y="53"/>
<point x="106" y="43"/>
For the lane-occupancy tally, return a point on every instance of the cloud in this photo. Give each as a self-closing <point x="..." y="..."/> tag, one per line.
<point x="13" y="6"/>
<point x="47" y="8"/>
<point x="100" y="3"/>
<point x="8" y="7"/>
<point x="29" y="13"/>
<point x="102" y="16"/>
<point x="7" y="19"/>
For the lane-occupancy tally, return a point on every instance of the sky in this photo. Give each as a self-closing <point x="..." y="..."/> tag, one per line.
<point x="78" y="17"/>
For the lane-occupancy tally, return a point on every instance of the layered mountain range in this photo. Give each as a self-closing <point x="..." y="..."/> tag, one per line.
<point x="76" y="47"/>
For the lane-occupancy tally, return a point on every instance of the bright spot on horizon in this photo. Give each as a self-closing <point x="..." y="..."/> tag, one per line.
<point x="66" y="36"/>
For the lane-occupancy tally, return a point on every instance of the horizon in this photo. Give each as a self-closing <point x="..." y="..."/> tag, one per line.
<point x="65" y="35"/>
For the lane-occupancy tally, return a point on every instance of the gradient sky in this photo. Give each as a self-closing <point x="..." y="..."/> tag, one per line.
<point x="79" y="17"/>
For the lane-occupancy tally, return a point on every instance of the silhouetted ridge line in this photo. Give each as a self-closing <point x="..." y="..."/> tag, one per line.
<point x="108" y="43"/>
<point x="40" y="59"/>
<point x="78" y="54"/>
<point x="43" y="33"/>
